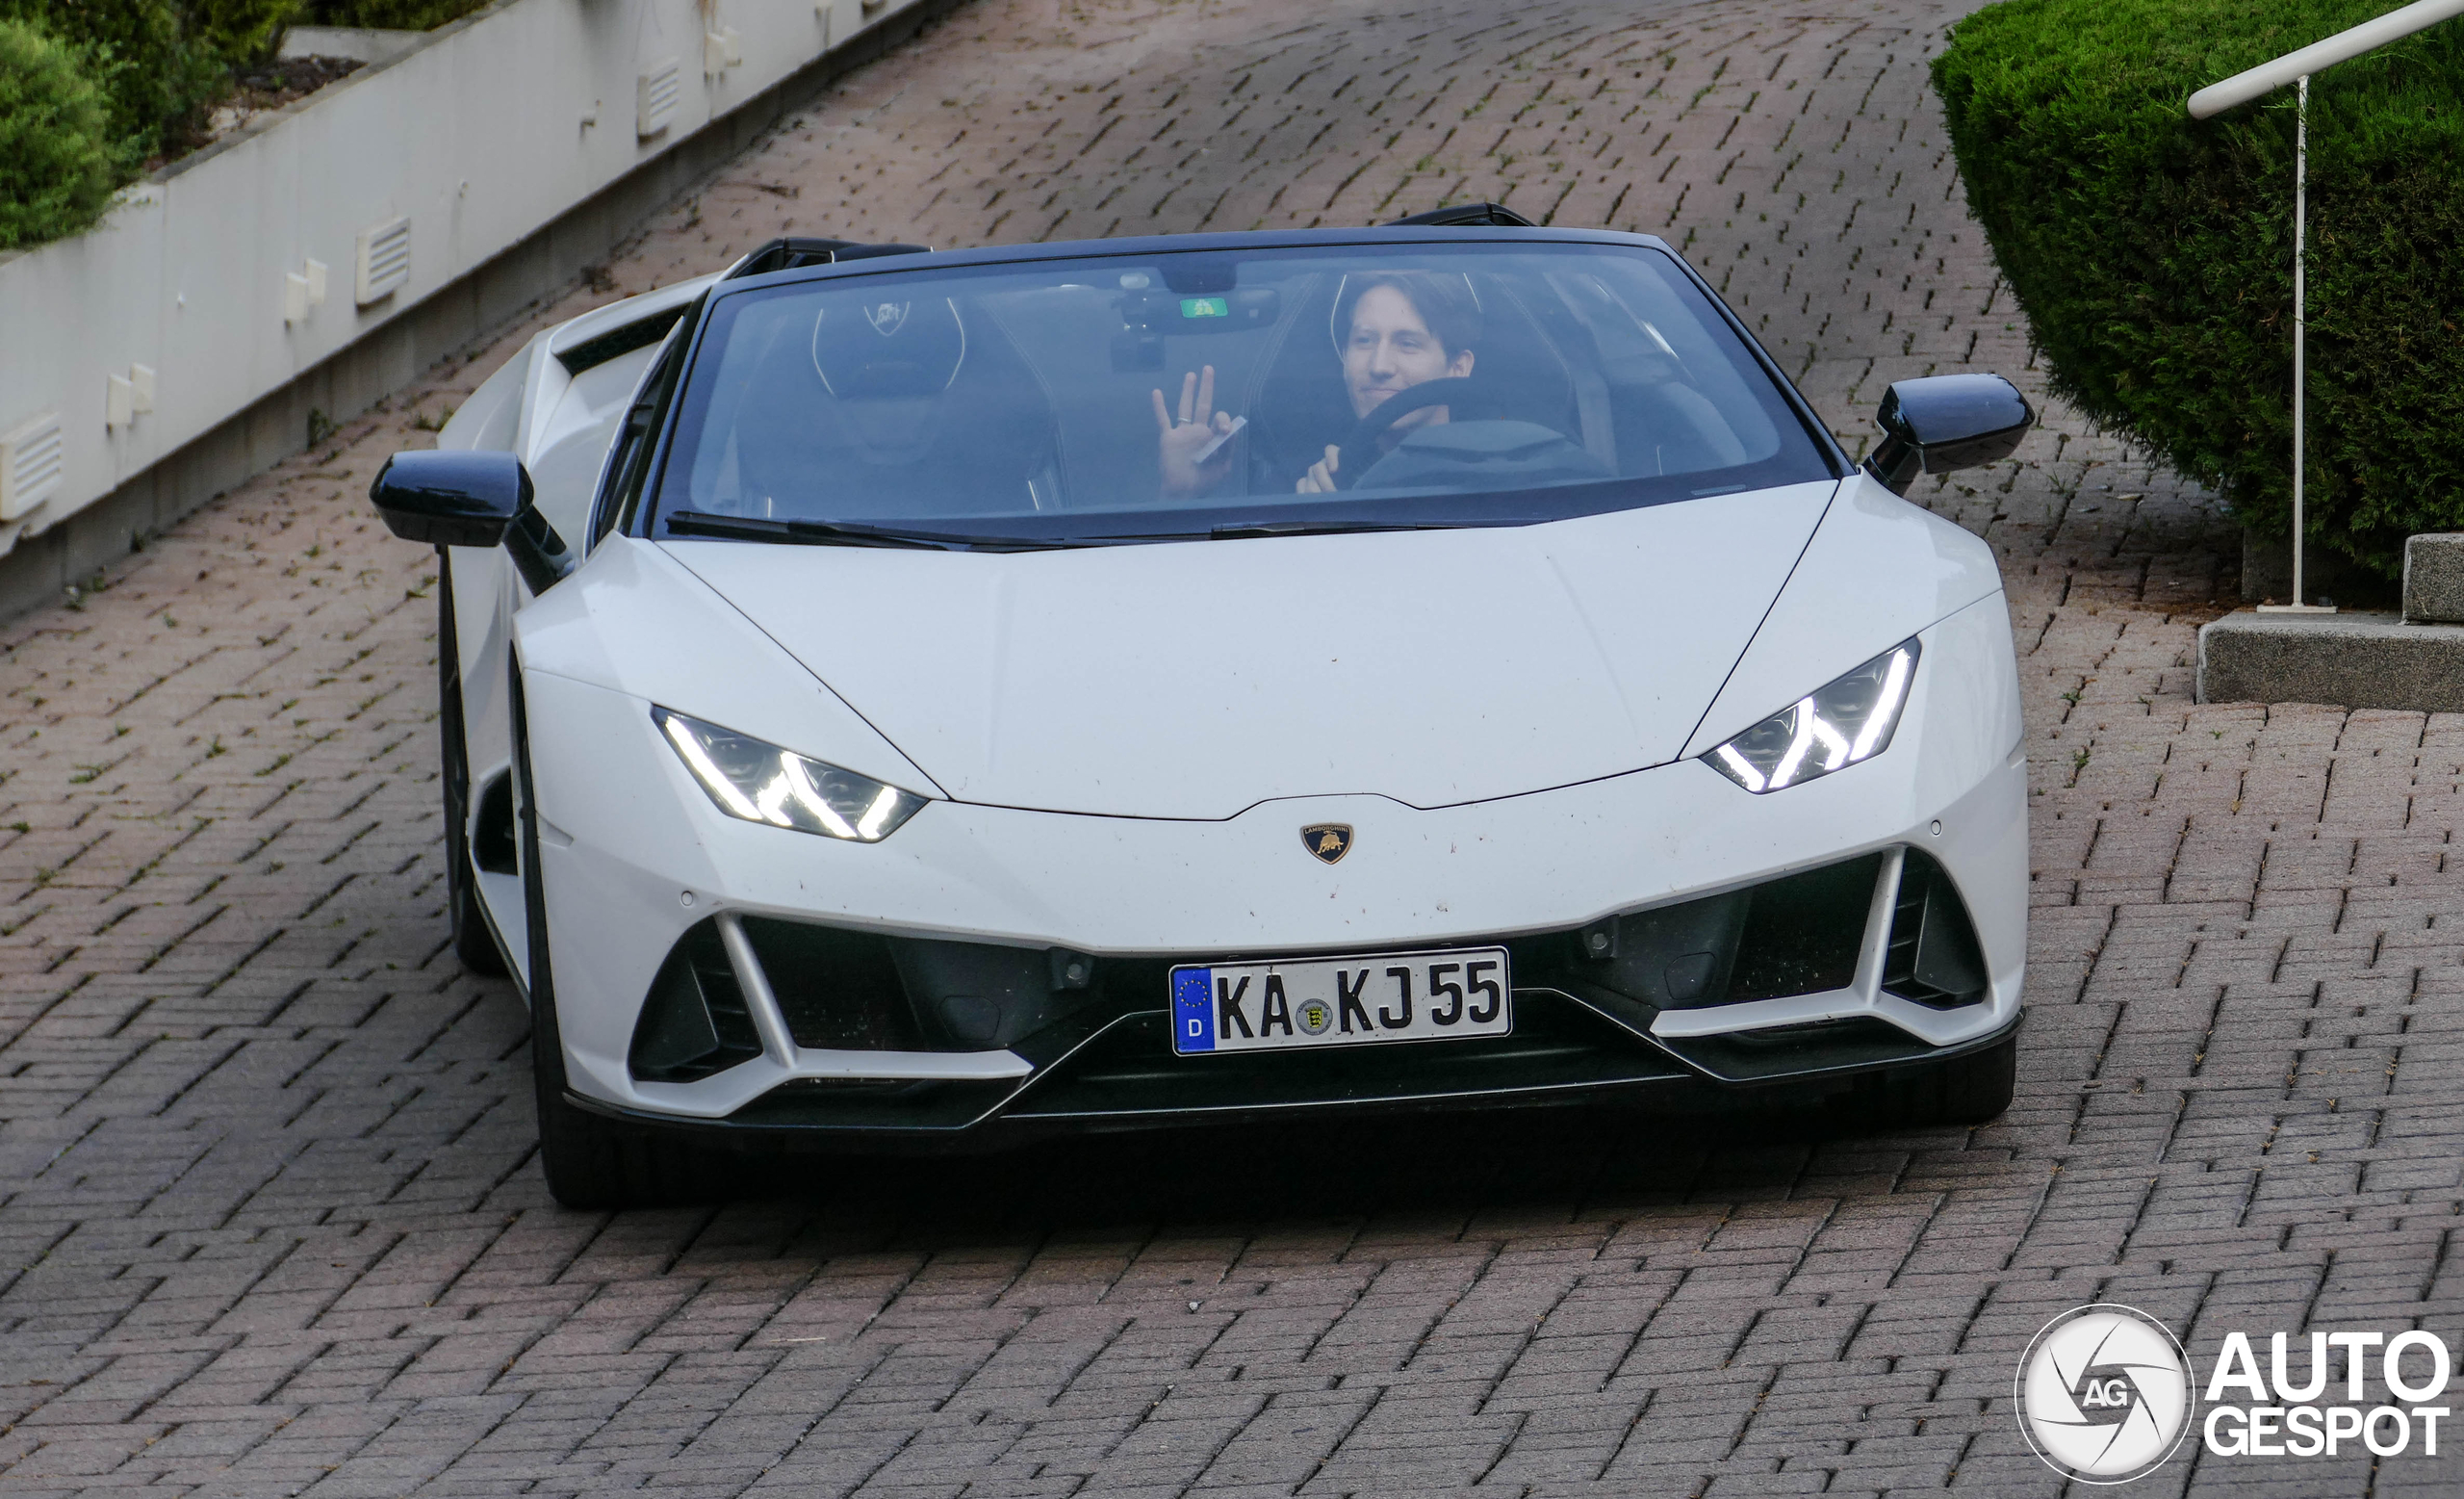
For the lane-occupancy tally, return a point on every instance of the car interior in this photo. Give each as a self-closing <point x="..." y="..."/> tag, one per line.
<point x="1033" y="390"/>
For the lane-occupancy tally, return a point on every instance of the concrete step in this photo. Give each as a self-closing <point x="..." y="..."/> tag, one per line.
<point x="2352" y="660"/>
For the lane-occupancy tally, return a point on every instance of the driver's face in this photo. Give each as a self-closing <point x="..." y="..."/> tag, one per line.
<point x="1391" y="350"/>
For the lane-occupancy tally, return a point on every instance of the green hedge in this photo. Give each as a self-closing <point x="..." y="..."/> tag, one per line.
<point x="392" y="14"/>
<point x="157" y="62"/>
<point x="90" y="90"/>
<point x="149" y="67"/>
<point x="137" y="51"/>
<point x="59" y="163"/>
<point x="2153" y="253"/>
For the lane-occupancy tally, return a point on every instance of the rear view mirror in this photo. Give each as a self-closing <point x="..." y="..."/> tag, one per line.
<point x="1946" y="421"/>
<point x="1230" y="311"/>
<point x="468" y="497"/>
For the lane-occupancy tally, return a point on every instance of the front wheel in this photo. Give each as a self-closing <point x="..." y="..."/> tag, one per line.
<point x="597" y="1165"/>
<point x="592" y="1162"/>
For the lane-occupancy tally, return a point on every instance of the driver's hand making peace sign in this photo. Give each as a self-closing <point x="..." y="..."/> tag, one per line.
<point x="1182" y="441"/>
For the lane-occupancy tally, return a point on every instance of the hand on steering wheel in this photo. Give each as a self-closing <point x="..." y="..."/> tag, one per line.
<point x="1320" y="478"/>
<point x="1359" y="450"/>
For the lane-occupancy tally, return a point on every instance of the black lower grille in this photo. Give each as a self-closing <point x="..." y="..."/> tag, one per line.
<point x="1803" y="933"/>
<point x="837" y="989"/>
<point x="1797" y="935"/>
<point x="842" y="990"/>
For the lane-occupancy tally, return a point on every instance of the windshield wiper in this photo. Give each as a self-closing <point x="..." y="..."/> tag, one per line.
<point x="1238" y="530"/>
<point x="852" y="533"/>
<point x="840" y="534"/>
<point x="1235" y="530"/>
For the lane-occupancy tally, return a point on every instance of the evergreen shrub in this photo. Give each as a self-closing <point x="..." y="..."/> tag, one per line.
<point x="152" y="72"/>
<point x="58" y="162"/>
<point x="389" y="14"/>
<point x="91" y="90"/>
<point x="2152" y="253"/>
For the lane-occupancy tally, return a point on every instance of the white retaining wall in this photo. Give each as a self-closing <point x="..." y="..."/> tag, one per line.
<point x="196" y="298"/>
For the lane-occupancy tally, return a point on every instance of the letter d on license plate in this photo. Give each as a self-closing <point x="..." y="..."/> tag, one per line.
<point x="1341" y="1001"/>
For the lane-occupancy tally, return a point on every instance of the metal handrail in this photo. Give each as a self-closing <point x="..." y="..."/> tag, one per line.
<point x="2295" y="67"/>
<point x="2268" y="77"/>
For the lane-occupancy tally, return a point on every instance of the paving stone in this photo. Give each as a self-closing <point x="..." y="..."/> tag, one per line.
<point x="268" y="1218"/>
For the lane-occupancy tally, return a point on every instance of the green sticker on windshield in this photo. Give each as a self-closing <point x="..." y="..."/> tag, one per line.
<point x="1205" y="307"/>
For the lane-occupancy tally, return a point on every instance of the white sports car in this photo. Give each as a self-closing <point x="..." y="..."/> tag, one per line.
<point x="895" y="697"/>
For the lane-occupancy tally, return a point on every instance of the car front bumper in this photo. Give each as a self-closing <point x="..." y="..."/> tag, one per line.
<point x="635" y="860"/>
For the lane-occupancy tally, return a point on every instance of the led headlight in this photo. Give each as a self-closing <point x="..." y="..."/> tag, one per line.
<point x="763" y="783"/>
<point x="1850" y="720"/>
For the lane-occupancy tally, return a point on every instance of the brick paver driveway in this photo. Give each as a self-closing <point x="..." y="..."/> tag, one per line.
<point x="269" y="1223"/>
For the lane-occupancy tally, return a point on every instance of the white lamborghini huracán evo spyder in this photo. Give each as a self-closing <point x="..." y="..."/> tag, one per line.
<point x="900" y="698"/>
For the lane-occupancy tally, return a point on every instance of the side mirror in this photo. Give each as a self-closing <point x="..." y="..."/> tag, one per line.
<point x="1946" y="421"/>
<point x="466" y="497"/>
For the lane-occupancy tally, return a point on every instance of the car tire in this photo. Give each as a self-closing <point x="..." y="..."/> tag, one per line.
<point x="1972" y="1088"/>
<point x="474" y="943"/>
<point x="592" y="1162"/>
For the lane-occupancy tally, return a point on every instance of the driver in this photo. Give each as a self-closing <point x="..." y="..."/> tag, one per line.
<point x="1397" y="329"/>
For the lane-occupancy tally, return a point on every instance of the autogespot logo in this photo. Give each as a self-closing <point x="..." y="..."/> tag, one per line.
<point x="2104" y="1395"/>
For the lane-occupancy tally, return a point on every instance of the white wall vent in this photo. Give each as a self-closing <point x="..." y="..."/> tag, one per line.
<point x="384" y="260"/>
<point x="32" y="458"/>
<point x="658" y="93"/>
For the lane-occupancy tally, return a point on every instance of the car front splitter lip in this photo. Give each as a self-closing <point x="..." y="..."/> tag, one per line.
<point x="1655" y="1080"/>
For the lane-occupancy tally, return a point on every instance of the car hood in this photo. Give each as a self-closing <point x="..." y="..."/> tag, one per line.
<point x="1198" y="679"/>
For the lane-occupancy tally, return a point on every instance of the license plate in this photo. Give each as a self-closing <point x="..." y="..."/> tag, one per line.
<point x="1341" y="1001"/>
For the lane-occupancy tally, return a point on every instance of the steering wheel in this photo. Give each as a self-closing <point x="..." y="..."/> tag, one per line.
<point x="1359" y="450"/>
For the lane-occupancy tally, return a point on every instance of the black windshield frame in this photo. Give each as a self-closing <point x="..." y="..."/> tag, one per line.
<point x="1257" y="514"/>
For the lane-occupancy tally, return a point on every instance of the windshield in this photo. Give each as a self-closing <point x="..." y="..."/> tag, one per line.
<point x="1216" y="392"/>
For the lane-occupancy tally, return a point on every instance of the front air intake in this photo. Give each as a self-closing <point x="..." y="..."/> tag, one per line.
<point x="1802" y="932"/>
<point x="1933" y="958"/>
<point x="837" y="989"/>
<point x="1797" y="935"/>
<point x="695" y="1023"/>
